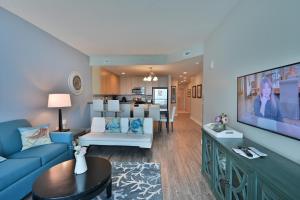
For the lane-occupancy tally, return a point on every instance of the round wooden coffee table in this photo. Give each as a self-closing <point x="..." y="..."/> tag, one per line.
<point x="60" y="182"/>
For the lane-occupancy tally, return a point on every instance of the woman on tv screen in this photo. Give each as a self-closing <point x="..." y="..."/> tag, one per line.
<point x="266" y="103"/>
<point x="270" y="100"/>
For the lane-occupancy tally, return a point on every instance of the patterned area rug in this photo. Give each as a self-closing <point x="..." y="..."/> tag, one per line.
<point x="135" y="180"/>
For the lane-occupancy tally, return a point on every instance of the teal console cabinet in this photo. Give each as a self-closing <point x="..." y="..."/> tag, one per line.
<point x="232" y="177"/>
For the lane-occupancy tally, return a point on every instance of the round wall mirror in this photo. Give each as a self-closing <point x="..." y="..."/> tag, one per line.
<point x="75" y="83"/>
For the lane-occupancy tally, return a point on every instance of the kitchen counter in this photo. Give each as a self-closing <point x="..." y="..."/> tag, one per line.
<point x="128" y="102"/>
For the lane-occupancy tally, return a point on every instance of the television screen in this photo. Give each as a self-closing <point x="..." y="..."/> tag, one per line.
<point x="270" y="100"/>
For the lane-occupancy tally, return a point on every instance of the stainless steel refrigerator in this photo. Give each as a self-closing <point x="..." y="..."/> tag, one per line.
<point x="160" y="96"/>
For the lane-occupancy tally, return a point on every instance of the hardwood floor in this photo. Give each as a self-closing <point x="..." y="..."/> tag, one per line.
<point x="179" y="154"/>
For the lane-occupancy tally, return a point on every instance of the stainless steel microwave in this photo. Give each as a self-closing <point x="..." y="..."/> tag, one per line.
<point x="138" y="90"/>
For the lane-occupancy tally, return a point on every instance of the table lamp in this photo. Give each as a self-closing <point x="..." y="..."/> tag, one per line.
<point x="59" y="101"/>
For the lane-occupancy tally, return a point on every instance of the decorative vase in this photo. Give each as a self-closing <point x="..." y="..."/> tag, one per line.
<point x="80" y="164"/>
<point x="219" y="127"/>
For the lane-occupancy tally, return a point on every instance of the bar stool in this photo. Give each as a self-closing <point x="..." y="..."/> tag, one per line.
<point x="113" y="106"/>
<point x="125" y="110"/>
<point x="139" y="112"/>
<point x="98" y="106"/>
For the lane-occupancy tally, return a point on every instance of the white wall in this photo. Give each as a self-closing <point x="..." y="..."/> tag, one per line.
<point x="196" y="103"/>
<point x="257" y="35"/>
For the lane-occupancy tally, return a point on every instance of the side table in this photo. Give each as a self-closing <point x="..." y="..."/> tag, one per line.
<point x="68" y="137"/>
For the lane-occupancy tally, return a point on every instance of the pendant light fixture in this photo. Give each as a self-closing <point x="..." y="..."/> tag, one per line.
<point x="151" y="76"/>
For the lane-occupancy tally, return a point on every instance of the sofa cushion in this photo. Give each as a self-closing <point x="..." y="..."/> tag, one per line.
<point x="115" y="138"/>
<point x="136" y="125"/>
<point x="10" y="139"/>
<point x="98" y="125"/>
<point x="124" y="125"/>
<point x="2" y="159"/>
<point x="34" y="136"/>
<point x="112" y="125"/>
<point x="15" y="169"/>
<point x="45" y="152"/>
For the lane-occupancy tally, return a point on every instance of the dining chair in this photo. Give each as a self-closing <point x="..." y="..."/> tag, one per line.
<point x="125" y="110"/>
<point x="171" y="119"/>
<point x="113" y="106"/>
<point x="139" y="112"/>
<point x="154" y="113"/>
<point x="98" y="106"/>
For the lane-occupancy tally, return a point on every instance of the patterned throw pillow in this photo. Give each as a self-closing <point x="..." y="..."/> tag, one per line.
<point x="136" y="125"/>
<point x="112" y="125"/>
<point x="2" y="159"/>
<point x="34" y="136"/>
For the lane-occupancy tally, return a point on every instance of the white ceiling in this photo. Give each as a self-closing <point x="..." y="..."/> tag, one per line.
<point x="125" y="27"/>
<point x="192" y="66"/>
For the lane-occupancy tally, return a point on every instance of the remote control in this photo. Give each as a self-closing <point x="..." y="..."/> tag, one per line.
<point x="257" y="152"/>
<point x="246" y="151"/>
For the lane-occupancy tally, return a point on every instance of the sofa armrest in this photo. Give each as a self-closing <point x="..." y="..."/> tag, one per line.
<point x="62" y="137"/>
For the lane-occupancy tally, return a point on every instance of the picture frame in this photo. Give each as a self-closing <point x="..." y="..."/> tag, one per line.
<point x="173" y="94"/>
<point x="194" y="92"/>
<point x="199" y="91"/>
<point x="189" y="93"/>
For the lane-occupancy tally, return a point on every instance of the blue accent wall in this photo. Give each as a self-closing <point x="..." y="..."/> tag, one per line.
<point x="33" y="64"/>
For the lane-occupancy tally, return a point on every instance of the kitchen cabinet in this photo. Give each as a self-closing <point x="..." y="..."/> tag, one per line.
<point x="124" y="86"/>
<point x="148" y="88"/>
<point x="105" y="82"/>
<point x="266" y="191"/>
<point x="232" y="177"/>
<point x="137" y="82"/>
<point x="207" y="156"/>
<point x="129" y="82"/>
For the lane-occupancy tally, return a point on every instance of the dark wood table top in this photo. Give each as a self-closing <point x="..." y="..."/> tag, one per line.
<point x="60" y="182"/>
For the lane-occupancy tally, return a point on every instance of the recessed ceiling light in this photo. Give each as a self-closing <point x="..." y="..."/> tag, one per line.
<point x="184" y="72"/>
<point x="197" y="63"/>
<point x="180" y="75"/>
<point x="123" y="73"/>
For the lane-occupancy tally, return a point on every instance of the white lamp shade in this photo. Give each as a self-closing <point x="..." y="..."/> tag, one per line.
<point x="59" y="100"/>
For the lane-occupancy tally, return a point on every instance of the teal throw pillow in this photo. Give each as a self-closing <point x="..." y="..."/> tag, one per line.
<point x="136" y="125"/>
<point x="2" y="159"/>
<point x="112" y="125"/>
<point x="34" y="136"/>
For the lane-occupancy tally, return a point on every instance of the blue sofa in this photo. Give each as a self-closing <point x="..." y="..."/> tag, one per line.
<point x="19" y="171"/>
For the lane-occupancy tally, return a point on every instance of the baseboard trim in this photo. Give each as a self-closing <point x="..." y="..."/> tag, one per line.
<point x="196" y="121"/>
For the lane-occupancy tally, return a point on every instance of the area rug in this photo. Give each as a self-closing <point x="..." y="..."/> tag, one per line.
<point x="135" y="180"/>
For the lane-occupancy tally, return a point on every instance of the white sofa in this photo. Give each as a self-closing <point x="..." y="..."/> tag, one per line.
<point x="98" y="136"/>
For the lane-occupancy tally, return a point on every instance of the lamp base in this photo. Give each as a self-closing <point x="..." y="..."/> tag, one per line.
<point x="62" y="130"/>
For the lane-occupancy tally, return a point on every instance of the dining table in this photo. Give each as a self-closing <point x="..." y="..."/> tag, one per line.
<point x="163" y="111"/>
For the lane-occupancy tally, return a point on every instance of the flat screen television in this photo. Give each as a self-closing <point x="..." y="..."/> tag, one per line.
<point x="270" y="100"/>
